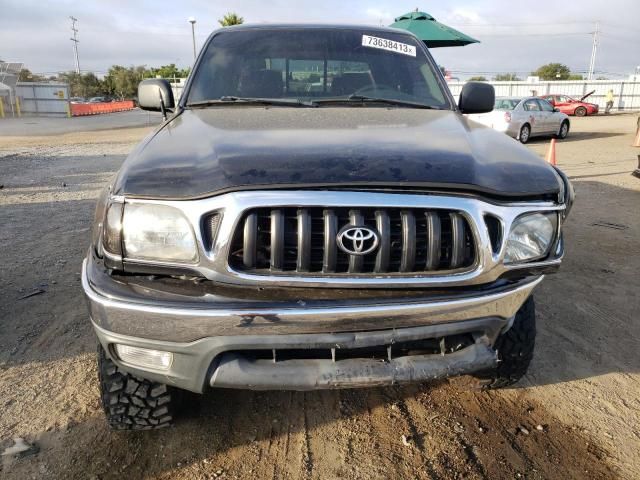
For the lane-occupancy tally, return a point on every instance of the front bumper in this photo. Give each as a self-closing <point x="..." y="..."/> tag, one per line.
<point x="207" y="339"/>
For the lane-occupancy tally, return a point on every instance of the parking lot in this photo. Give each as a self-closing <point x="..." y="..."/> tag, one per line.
<point x="575" y="415"/>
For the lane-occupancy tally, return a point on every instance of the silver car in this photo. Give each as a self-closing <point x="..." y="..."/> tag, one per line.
<point x="523" y="118"/>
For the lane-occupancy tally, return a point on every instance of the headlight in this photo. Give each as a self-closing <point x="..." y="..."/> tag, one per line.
<point x="157" y="232"/>
<point x="531" y="237"/>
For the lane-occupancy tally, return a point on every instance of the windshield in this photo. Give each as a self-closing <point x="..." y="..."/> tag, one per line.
<point x="506" y="103"/>
<point x="314" y="64"/>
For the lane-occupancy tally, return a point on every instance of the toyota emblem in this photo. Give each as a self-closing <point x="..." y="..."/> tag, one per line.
<point x="356" y="240"/>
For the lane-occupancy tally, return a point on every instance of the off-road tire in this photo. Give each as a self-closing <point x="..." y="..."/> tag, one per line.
<point x="130" y="402"/>
<point x="580" y="112"/>
<point x="527" y="137"/>
<point x="515" y="350"/>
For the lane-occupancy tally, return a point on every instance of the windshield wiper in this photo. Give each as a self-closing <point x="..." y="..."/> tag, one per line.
<point x="362" y="99"/>
<point x="227" y="99"/>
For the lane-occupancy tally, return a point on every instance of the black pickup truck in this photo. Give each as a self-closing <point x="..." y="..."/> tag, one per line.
<point x="316" y="212"/>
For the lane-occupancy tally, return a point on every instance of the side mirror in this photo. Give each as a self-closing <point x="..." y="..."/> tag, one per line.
<point x="155" y="94"/>
<point x="476" y="97"/>
<point x="556" y="110"/>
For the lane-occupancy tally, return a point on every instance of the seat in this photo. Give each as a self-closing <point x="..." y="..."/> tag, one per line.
<point x="348" y="83"/>
<point x="262" y="83"/>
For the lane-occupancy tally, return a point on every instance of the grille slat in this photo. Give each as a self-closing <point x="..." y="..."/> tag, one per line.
<point x="408" y="258"/>
<point x="250" y="241"/>
<point x="276" y="253"/>
<point x="303" y="241"/>
<point x="433" y="238"/>
<point x="384" y="250"/>
<point x="355" y="261"/>
<point x="330" y="253"/>
<point x="457" y="240"/>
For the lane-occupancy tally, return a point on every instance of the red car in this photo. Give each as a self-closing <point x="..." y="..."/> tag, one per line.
<point x="571" y="106"/>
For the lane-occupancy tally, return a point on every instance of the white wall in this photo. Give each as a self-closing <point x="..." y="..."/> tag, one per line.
<point x="626" y="93"/>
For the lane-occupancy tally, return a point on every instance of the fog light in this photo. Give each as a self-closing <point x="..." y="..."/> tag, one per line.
<point x="144" y="357"/>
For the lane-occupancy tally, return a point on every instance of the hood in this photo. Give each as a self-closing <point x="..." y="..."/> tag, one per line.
<point x="587" y="95"/>
<point x="208" y="151"/>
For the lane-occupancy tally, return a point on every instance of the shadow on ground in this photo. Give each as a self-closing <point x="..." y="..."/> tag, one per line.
<point x="576" y="136"/>
<point x="445" y="431"/>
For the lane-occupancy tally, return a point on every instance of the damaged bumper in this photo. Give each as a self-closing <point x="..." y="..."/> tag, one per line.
<point x="296" y="346"/>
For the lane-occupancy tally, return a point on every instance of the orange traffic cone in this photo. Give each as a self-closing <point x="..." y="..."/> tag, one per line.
<point x="551" y="153"/>
<point x="637" y="142"/>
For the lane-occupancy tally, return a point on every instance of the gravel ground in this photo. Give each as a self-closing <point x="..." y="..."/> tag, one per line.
<point x="575" y="415"/>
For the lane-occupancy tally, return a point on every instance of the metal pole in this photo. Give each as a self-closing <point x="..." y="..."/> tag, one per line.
<point x="594" y="48"/>
<point x="192" y="21"/>
<point x="75" y="42"/>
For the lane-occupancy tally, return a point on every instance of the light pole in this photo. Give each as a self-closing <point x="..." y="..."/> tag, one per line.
<point x="192" y="21"/>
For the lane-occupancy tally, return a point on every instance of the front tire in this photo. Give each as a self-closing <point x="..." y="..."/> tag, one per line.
<point x="130" y="402"/>
<point x="580" y="112"/>
<point x="515" y="350"/>
<point x="564" y="130"/>
<point x="525" y="133"/>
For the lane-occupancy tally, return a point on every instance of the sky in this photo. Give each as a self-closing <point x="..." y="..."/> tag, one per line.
<point x="516" y="35"/>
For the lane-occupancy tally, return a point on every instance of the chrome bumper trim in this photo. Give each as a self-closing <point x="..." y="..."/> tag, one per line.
<point x="182" y="324"/>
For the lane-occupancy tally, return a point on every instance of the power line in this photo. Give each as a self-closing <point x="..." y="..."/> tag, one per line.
<point x="75" y="42"/>
<point x="524" y="34"/>
<point x="508" y="25"/>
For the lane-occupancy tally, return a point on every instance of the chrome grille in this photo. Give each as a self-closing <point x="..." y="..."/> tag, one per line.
<point x="304" y="241"/>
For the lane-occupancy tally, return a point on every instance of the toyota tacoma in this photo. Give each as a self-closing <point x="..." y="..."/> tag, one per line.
<point x="316" y="212"/>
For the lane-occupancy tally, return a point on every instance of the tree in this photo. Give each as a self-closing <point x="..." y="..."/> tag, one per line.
<point x="506" y="77"/>
<point x="553" y="71"/>
<point x="122" y="81"/>
<point x="231" y="18"/>
<point x="25" y="75"/>
<point x="82" y="85"/>
<point x="479" y="78"/>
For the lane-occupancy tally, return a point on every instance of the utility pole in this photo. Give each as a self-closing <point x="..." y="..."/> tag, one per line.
<point x="594" y="48"/>
<point x="75" y="42"/>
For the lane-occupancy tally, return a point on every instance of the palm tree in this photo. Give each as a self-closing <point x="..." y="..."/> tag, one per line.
<point x="231" y="18"/>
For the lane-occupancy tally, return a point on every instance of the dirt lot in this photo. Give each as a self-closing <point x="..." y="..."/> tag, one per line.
<point x="575" y="415"/>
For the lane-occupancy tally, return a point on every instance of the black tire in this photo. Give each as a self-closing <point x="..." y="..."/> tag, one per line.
<point x="515" y="349"/>
<point x="132" y="403"/>
<point x="527" y="133"/>
<point x="563" y="132"/>
<point x="580" y="112"/>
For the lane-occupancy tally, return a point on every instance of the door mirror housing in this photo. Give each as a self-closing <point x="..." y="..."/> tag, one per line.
<point x="155" y="94"/>
<point x="556" y="110"/>
<point x="476" y="97"/>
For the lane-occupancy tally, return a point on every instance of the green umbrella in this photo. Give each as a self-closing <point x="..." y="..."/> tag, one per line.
<point x="434" y="34"/>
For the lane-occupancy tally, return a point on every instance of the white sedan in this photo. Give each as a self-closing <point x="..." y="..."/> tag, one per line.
<point x="523" y="118"/>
